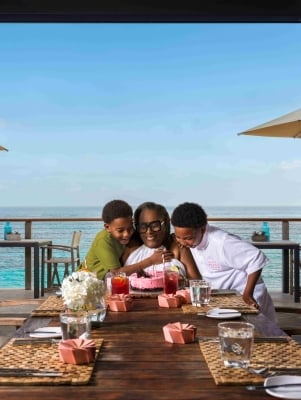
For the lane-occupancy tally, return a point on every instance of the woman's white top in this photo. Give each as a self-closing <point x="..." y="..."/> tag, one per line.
<point x="144" y="252"/>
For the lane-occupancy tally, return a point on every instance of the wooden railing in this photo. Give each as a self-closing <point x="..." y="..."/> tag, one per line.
<point x="285" y="222"/>
<point x="59" y="230"/>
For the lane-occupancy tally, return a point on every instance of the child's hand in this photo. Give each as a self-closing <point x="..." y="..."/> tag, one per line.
<point x="248" y="299"/>
<point x="161" y="256"/>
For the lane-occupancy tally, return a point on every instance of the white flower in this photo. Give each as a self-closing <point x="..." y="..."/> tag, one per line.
<point x="81" y="290"/>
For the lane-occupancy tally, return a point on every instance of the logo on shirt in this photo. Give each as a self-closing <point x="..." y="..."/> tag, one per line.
<point x="214" y="265"/>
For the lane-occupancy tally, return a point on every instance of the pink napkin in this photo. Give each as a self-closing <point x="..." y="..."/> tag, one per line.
<point x="120" y="302"/>
<point x="179" y="333"/>
<point x="169" y="300"/>
<point x="185" y="294"/>
<point x="77" y="351"/>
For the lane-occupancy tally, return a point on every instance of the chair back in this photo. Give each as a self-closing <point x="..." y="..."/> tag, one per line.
<point x="76" y="239"/>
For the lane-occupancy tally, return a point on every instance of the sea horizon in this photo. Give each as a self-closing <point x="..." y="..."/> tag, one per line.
<point x="12" y="259"/>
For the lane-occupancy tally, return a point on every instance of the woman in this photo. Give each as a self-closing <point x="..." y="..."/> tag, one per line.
<point x="158" y="246"/>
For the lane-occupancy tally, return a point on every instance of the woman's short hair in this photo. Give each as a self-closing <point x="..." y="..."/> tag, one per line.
<point x="189" y="215"/>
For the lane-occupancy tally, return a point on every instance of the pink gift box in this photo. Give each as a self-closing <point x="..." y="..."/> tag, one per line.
<point x="169" y="300"/>
<point x="77" y="351"/>
<point x="185" y="295"/>
<point x="179" y="333"/>
<point x="120" y="302"/>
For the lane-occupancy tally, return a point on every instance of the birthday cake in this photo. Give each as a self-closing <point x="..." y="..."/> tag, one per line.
<point x="147" y="283"/>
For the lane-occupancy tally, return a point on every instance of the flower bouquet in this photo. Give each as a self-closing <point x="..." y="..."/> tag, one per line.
<point x="82" y="291"/>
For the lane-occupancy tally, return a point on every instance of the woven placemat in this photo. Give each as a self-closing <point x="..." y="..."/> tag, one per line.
<point x="281" y="355"/>
<point x="222" y="301"/>
<point x="43" y="356"/>
<point x="51" y="307"/>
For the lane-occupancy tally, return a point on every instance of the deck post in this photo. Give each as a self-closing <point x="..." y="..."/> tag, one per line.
<point x="28" y="229"/>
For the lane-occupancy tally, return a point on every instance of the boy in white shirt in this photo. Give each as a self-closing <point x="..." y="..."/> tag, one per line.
<point x="222" y="258"/>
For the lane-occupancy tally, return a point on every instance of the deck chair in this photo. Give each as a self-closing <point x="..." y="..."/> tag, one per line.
<point x="53" y="255"/>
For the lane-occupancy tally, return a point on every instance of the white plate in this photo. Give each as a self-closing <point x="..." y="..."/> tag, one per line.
<point x="223" y="313"/>
<point x="47" y="332"/>
<point x="284" y="392"/>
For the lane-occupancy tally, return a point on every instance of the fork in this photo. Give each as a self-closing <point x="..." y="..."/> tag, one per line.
<point x="263" y="371"/>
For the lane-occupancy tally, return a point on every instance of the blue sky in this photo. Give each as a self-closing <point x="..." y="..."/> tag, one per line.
<point x="92" y="112"/>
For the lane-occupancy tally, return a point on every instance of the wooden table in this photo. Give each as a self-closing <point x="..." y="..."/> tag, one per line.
<point x="286" y="246"/>
<point x="136" y="363"/>
<point x="28" y="244"/>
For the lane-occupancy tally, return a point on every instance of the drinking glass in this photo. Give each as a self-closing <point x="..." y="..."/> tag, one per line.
<point x="119" y="283"/>
<point x="171" y="279"/>
<point x="195" y="292"/>
<point x="236" y="343"/>
<point x="98" y="311"/>
<point x="205" y="292"/>
<point x="75" y="324"/>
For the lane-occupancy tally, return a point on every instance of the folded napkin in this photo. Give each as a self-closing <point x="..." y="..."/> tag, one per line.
<point x="77" y="351"/>
<point x="120" y="302"/>
<point x="179" y="333"/>
<point x="185" y="295"/>
<point x="169" y="300"/>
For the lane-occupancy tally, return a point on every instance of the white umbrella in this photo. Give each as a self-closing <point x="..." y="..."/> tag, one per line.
<point x="3" y="148"/>
<point x="289" y="125"/>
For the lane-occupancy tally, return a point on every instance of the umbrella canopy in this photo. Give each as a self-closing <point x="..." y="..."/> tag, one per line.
<point x="3" y="148"/>
<point x="289" y="125"/>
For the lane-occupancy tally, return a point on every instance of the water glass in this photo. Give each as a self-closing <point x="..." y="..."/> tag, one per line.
<point x="98" y="312"/>
<point x="120" y="283"/>
<point x="75" y="324"/>
<point x="200" y="292"/>
<point x="205" y="292"/>
<point x="236" y="343"/>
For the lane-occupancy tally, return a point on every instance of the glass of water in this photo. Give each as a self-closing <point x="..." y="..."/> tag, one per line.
<point x="236" y="343"/>
<point x="75" y="324"/>
<point x="205" y="292"/>
<point x="200" y="291"/>
<point x="195" y="292"/>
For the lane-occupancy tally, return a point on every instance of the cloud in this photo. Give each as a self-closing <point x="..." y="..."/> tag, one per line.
<point x="290" y="165"/>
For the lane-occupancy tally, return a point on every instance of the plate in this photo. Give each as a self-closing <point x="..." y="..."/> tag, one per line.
<point x="223" y="313"/>
<point x="47" y="332"/>
<point x="285" y="392"/>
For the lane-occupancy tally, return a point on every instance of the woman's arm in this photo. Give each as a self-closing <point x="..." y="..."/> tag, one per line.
<point x="155" y="259"/>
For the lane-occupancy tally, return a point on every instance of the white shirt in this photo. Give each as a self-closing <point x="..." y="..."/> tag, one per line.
<point x="225" y="261"/>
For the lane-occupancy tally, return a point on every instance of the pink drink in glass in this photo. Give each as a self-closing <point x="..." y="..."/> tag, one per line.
<point x="171" y="281"/>
<point x="120" y="284"/>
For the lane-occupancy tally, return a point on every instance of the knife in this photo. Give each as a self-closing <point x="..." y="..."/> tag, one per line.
<point x="273" y="386"/>
<point x="271" y="339"/>
<point x="20" y="341"/>
<point x="28" y="372"/>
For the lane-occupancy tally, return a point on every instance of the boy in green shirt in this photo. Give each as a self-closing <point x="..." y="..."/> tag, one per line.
<point x="110" y="243"/>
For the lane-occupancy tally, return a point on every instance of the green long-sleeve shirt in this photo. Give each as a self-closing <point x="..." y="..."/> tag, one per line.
<point x="104" y="254"/>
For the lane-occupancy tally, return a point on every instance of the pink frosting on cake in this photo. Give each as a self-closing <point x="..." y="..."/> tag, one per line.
<point x="149" y="283"/>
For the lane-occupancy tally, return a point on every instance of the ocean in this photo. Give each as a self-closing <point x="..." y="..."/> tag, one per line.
<point x="12" y="259"/>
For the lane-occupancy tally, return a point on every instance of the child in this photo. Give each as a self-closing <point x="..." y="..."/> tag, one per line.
<point x="110" y="243"/>
<point x="222" y="258"/>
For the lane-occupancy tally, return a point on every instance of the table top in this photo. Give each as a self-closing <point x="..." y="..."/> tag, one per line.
<point x="135" y="361"/>
<point x="22" y="242"/>
<point x="280" y="243"/>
